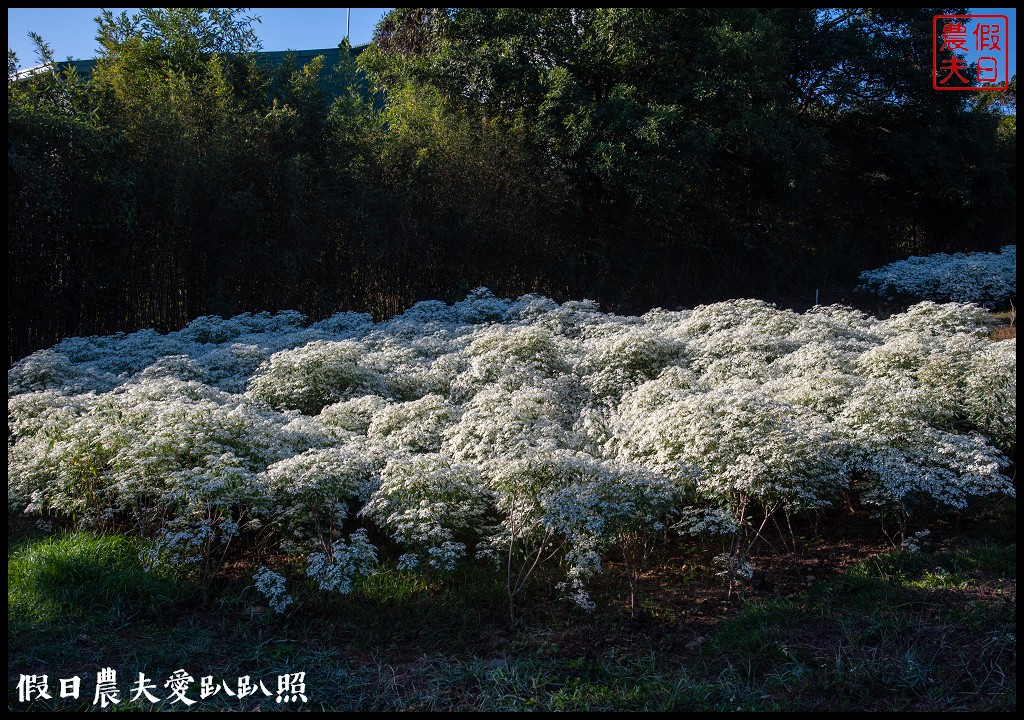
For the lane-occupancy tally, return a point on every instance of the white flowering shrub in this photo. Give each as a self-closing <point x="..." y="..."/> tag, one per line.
<point x="52" y="369"/>
<point x="704" y="522"/>
<point x="60" y="458"/>
<point x="943" y="319"/>
<point x="525" y="536"/>
<point x="990" y="393"/>
<point x="480" y="306"/>
<point x="617" y="358"/>
<point x="960" y="277"/>
<point x="912" y="543"/>
<point x="46" y="412"/>
<point x="344" y="324"/>
<point x="498" y="422"/>
<point x="568" y="320"/>
<point x="313" y="492"/>
<point x="157" y="451"/>
<point x="744" y="450"/>
<point x="539" y="434"/>
<point x="427" y="503"/>
<point x="337" y="569"/>
<point x="271" y="586"/>
<point x="415" y="426"/>
<point x="405" y="370"/>
<point x="349" y="418"/>
<point x="568" y="505"/>
<point x="818" y="375"/>
<point x="315" y="375"/>
<point x="510" y="357"/>
<point x="735" y="567"/>
<point x="901" y="462"/>
<point x="612" y="509"/>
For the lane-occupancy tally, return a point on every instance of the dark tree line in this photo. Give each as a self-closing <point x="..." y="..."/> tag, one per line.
<point x="639" y="157"/>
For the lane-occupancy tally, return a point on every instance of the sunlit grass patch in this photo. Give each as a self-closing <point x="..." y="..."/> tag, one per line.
<point x="82" y="574"/>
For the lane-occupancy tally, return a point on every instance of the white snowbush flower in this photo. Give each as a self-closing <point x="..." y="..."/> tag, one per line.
<point x="415" y="426"/>
<point x="933" y="468"/>
<point x="178" y="367"/>
<point x="596" y="503"/>
<point x="426" y="317"/>
<point x="351" y="417"/>
<point x="528" y="430"/>
<point x="526" y="535"/>
<point x="480" y="306"/>
<point x="564" y="497"/>
<point x="271" y="585"/>
<point x="609" y="508"/>
<point x="568" y="320"/>
<point x="499" y="422"/>
<point x="735" y="568"/>
<point x="512" y="357"/>
<point x="818" y="375"/>
<point x="230" y="367"/>
<point x="48" y="411"/>
<point x="346" y="561"/>
<point x="426" y="502"/>
<point x="315" y="375"/>
<point x="746" y="445"/>
<point x="574" y="588"/>
<point x="705" y="522"/>
<point x="147" y="448"/>
<point x="344" y="324"/>
<point x="406" y="372"/>
<point x="211" y="329"/>
<point x="53" y="370"/>
<point x="929" y="318"/>
<point x="617" y="358"/>
<point x="60" y="462"/>
<point x="990" y="397"/>
<point x="901" y="461"/>
<point x="313" y="490"/>
<point x="960" y="277"/>
<point x="912" y="543"/>
<point x="528" y="308"/>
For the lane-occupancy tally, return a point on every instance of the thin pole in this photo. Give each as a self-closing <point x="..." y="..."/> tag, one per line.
<point x="348" y="22"/>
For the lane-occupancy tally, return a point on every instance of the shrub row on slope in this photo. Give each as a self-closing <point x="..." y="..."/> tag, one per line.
<point x="522" y="431"/>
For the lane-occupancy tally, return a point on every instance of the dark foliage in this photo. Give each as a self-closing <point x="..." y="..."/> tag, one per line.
<point x="640" y="157"/>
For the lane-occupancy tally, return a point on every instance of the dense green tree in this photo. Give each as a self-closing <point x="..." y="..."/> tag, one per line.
<point x="727" y="146"/>
<point x="637" y="156"/>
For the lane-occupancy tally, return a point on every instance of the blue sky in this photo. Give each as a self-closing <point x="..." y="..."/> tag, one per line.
<point x="71" y="32"/>
<point x="1011" y="16"/>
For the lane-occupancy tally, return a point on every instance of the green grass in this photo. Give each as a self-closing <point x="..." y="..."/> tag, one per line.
<point x="83" y="575"/>
<point x="934" y="630"/>
<point x="900" y="631"/>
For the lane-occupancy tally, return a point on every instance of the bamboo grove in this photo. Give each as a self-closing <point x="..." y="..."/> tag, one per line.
<point x="638" y="157"/>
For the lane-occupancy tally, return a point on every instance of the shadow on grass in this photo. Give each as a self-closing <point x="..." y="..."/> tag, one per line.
<point x="933" y="630"/>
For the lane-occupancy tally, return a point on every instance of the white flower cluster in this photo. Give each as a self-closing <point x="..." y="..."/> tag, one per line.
<point x="702" y="522"/>
<point x="525" y="430"/>
<point x="311" y="492"/>
<point x="960" y="277"/>
<point x="735" y="568"/>
<point x="271" y="586"/>
<point x="912" y="543"/>
<point x="425" y="501"/>
<point x="344" y="564"/>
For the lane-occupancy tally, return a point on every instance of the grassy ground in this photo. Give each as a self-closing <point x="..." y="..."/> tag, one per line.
<point x="843" y="623"/>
